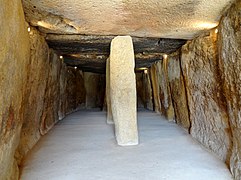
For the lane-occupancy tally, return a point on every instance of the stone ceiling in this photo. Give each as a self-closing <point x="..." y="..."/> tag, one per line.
<point x="180" y="19"/>
<point x="159" y="20"/>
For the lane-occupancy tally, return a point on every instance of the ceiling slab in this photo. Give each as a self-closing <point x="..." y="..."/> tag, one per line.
<point x="179" y="19"/>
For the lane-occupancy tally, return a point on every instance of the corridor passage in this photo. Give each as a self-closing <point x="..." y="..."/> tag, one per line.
<point x="83" y="147"/>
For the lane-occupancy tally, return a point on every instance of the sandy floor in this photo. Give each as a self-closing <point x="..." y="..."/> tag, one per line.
<point x="82" y="147"/>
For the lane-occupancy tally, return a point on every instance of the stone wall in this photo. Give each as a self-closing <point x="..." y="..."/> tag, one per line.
<point x="14" y="57"/>
<point x="178" y="91"/>
<point x="95" y="90"/>
<point x="161" y="89"/>
<point x="144" y="91"/>
<point x="230" y="72"/>
<point x="52" y="91"/>
<point x="203" y="84"/>
<point x="74" y="90"/>
<point x="36" y="88"/>
<point x="207" y="109"/>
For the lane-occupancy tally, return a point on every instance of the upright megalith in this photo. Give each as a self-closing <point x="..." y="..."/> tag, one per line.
<point x="123" y="90"/>
<point x="109" y="118"/>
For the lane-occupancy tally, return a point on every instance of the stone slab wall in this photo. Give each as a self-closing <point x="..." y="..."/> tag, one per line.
<point x="95" y="90"/>
<point x="74" y="90"/>
<point x="52" y="91"/>
<point x="154" y="76"/>
<point x="207" y="108"/>
<point x="14" y="57"/>
<point x="161" y="89"/>
<point x="144" y="91"/>
<point x="204" y="80"/>
<point x="36" y="88"/>
<point x="230" y="66"/>
<point x="178" y="91"/>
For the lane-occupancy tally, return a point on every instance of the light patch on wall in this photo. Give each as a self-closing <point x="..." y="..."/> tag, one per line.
<point x="205" y="25"/>
<point x="165" y="56"/>
<point x="142" y="68"/>
<point x="30" y="31"/>
<point x="45" y="25"/>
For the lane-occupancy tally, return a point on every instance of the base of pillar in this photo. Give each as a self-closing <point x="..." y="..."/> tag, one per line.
<point x="109" y="121"/>
<point x="128" y="144"/>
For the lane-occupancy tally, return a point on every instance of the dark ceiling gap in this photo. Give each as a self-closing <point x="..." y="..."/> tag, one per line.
<point x="89" y="52"/>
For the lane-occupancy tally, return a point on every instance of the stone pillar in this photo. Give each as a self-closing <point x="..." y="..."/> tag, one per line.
<point x="109" y="119"/>
<point x="123" y="90"/>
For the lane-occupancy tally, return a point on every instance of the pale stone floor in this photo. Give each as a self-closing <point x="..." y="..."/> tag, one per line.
<point x="82" y="147"/>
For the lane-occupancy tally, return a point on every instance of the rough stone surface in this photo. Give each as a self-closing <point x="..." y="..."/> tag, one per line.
<point x="147" y="88"/>
<point x="95" y="90"/>
<point x="14" y="56"/>
<point x="51" y="99"/>
<point x="178" y="91"/>
<point x="208" y="113"/>
<point x="143" y="18"/>
<point x="139" y="90"/>
<point x="161" y="89"/>
<point x="155" y="89"/>
<point x="144" y="91"/>
<point x="123" y="90"/>
<point x="52" y="91"/>
<point x="230" y="65"/>
<point x="37" y="75"/>
<point x="75" y="87"/>
<point x="109" y="118"/>
<point x="164" y="89"/>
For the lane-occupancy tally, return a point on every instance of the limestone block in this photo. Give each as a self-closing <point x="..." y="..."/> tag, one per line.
<point x="148" y="103"/>
<point x="14" y="57"/>
<point x="178" y="91"/>
<point x="37" y="74"/>
<point x="91" y="83"/>
<point x="208" y="113"/>
<point x="161" y="90"/>
<point x="123" y="90"/>
<point x="95" y="90"/>
<point x="140" y="90"/>
<point x="51" y="98"/>
<point x="164" y="89"/>
<point x="144" y="91"/>
<point x="75" y="90"/>
<point x="155" y="88"/>
<point x="109" y="119"/>
<point x="62" y="94"/>
<point x="230" y="66"/>
<point x="52" y="91"/>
